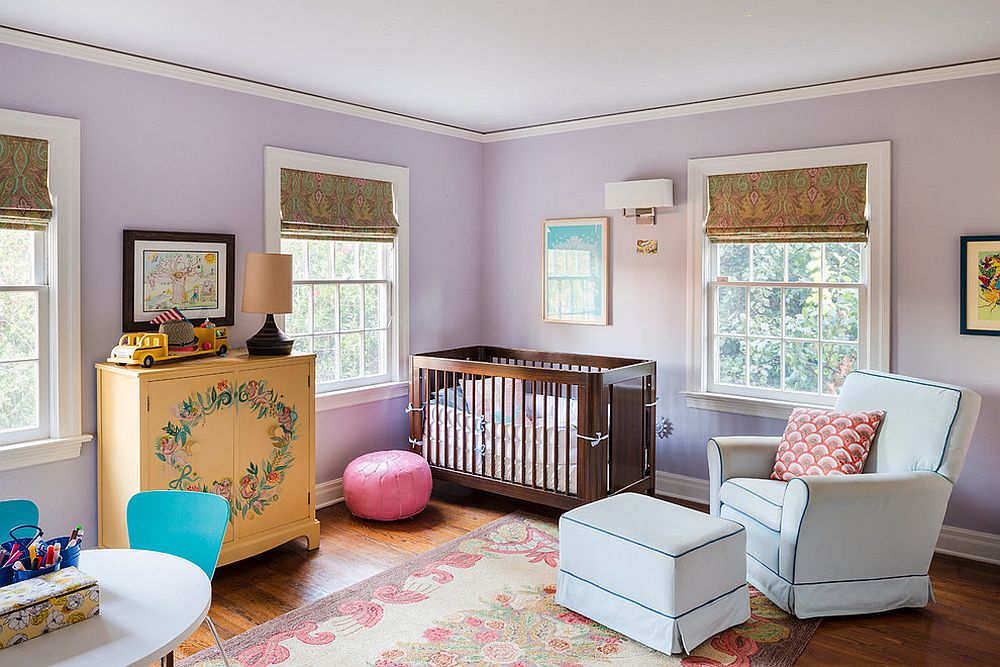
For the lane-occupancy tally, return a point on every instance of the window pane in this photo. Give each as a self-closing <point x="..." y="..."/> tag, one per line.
<point x="371" y="260"/>
<point x="374" y="357"/>
<point x="801" y="312"/>
<point x="840" y="314"/>
<point x="325" y="348"/>
<point x="325" y="308"/>
<point x="350" y="308"/>
<point x="765" y="311"/>
<point x="320" y="260"/>
<point x="804" y="262"/>
<point x="802" y="367"/>
<point x="734" y="261"/>
<point x="375" y="306"/>
<point x="300" y="257"/>
<point x="839" y="359"/>
<point x="350" y="356"/>
<point x="303" y="344"/>
<point x="17" y="257"/>
<point x="346" y="260"/>
<point x="732" y="360"/>
<point x="765" y="363"/>
<point x="768" y="262"/>
<point x="299" y="321"/>
<point x="18" y="395"/>
<point x="842" y="262"/>
<point x="732" y="313"/>
<point x="18" y="325"/>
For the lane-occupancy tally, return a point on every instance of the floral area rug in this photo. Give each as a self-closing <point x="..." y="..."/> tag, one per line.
<point x="487" y="598"/>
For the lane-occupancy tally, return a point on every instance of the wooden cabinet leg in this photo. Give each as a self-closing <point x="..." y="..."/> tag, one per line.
<point x="312" y="537"/>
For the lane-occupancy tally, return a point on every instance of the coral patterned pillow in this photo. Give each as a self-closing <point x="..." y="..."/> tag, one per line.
<point x="824" y="442"/>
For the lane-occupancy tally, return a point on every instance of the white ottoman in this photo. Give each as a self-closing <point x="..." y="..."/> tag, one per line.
<point x="664" y="575"/>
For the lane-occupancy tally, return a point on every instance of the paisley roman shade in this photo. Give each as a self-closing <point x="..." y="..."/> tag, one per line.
<point x="331" y="207"/>
<point x="815" y="205"/>
<point x="25" y="202"/>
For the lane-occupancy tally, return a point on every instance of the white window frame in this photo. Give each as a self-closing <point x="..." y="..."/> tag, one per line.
<point x="394" y="384"/>
<point x="60" y="435"/>
<point x="874" y="327"/>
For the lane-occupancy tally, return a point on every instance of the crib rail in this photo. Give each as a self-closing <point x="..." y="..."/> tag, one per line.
<point x="560" y="429"/>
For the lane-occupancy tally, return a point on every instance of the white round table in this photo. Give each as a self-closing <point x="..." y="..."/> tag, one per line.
<point x="150" y="603"/>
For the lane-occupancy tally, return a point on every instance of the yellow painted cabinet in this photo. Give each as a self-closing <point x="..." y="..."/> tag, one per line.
<point x="240" y="427"/>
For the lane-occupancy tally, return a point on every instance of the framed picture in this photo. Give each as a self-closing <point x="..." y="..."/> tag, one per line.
<point x="575" y="271"/>
<point x="190" y="271"/>
<point x="981" y="285"/>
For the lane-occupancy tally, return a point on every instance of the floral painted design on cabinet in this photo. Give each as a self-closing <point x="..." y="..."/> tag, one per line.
<point x="261" y="485"/>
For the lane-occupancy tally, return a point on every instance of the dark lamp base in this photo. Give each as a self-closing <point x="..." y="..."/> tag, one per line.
<point x="270" y="341"/>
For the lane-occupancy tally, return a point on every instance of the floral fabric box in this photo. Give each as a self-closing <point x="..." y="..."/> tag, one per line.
<point x="31" y="608"/>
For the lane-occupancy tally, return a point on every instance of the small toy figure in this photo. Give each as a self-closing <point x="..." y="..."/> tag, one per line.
<point x="208" y="324"/>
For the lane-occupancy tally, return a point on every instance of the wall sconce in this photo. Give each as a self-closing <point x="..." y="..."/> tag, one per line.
<point x="640" y="199"/>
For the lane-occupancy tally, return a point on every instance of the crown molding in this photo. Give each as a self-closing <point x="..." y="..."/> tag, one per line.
<point x="859" y="85"/>
<point x="103" y="56"/>
<point x="95" y="54"/>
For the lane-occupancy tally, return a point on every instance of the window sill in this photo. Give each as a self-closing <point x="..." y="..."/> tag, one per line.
<point x="744" y="405"/>
<point x="345" y="398"/>
<point x="37" y="452"/>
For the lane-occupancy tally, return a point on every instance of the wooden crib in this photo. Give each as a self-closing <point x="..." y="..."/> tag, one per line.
<point x="553" y="428"/>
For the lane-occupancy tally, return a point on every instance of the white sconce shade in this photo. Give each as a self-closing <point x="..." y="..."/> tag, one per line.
<point x="641" y="196"/>
<point x="652" y="193"/>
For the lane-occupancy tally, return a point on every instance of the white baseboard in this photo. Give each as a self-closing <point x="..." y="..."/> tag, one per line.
<point x="971" y="544"/>
<point x="681" y="486"/>
<point x="961" y="542"/>
<point x="329" y="493"/>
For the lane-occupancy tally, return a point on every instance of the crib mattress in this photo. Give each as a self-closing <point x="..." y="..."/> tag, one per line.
<point x="495" y="450"/>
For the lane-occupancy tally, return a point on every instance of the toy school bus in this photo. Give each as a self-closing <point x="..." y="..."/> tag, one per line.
<point x="145" y="349"/>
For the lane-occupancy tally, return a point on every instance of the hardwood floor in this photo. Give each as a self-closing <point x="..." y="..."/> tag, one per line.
<point x="961" y="629"/>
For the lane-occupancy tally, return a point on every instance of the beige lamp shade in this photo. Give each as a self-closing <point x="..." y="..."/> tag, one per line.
<point x="267" y="283"/>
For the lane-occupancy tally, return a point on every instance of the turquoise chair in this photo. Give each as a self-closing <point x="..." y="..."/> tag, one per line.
<point x="186" y="524"/>
<point x="17" y="512"/>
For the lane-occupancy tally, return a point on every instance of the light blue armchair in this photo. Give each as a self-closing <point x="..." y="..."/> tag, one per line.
<point x="851" y="544"/>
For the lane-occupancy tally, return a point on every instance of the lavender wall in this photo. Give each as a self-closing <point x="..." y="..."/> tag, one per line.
<point x="164" y="154"/>
<point x="946" y="165"/>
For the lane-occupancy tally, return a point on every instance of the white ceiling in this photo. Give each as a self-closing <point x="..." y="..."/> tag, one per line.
<point x="499" y="64"/>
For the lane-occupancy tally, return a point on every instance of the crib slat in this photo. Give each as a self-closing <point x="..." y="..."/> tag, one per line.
<point x="492" y="409"/>
<point x="555" y="440"/>
<point x="569" y="392"/>
<point x="503" y="427"/>
<point x="524" y="430"/>
<point x="545" y="437"/>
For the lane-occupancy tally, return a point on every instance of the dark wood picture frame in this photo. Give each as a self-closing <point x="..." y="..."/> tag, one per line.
<point x="129" y="239"/>
<point x="967" y="277"/>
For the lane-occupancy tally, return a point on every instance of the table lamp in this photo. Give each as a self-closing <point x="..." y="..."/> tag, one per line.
<point x="267" y="289"/>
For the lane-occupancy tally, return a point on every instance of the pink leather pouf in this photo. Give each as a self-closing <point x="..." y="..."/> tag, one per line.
<point x="387" y="486"/>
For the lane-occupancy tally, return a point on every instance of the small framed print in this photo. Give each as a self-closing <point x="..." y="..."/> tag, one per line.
<point x="646" y="247"/>
<point x="190" y="271"/>
<point x="980" y="285"/>
<point x="575" y="271"/>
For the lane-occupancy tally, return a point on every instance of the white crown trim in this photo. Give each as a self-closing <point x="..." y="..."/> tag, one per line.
<point x="128" y="61"/>
<point x="70" y="49"/>
<point x="911" y="78"/>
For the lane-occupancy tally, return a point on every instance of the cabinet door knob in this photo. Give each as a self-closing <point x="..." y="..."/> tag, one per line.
<point x="195" y="447"/>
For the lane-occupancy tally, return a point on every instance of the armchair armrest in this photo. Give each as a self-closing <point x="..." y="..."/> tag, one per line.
<point x="738" y="456"/>
<point x="857" y="527"/>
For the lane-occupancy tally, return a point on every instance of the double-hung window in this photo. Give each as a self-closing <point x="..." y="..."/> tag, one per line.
<point x="344" y="223"/>
<point x="39" y="290"/>
<point x="791" y="287"/>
